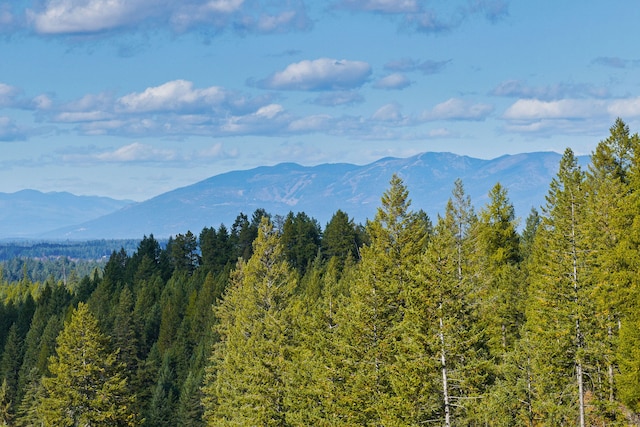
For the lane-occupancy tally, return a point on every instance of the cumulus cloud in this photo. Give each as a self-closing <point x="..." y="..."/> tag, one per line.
<point x="568" y="109"/>
<point x="426" y="67"/>
<point x="535" y="109"/>
<point x="393" y="81"/>
<point x="172" y="96"/>
<point x="319" y="74"/>
<point x="89" y="16"/>
<point x="567" y="116"/>
<point x="266" y="120"/>
<point x="62" y="17"/>
<point x="519" y="89"/>
<point x="458" y="109"/>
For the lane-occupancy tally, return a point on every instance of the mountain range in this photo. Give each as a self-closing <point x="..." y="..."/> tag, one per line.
<point x="318" y="191"/>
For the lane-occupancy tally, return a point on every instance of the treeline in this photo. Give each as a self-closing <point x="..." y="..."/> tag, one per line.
<point x="457" y="321"/>
<point x="39" y="261"/>
<point x="86" y="250"/>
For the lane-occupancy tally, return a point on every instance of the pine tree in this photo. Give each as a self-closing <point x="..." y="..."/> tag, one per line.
<point x="247" y="380"/>
<point x="85" y="387"/>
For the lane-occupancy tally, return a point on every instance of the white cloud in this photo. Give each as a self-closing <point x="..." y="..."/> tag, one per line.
<point x="266" y="120"/>
<point x="388" y="113"/>
<point x="89" y="16"/>
<point x="535" y="109"/>
<point x="319" y="74"/>
<point x="458" y="109"/>
<point x="625" y="108"/>
<point x="171" y="96"/>
<point x="60" y="17"/>
<point x="318" y="122"/>
<point x="393" y="81"/>
<point x="136" y="152"/>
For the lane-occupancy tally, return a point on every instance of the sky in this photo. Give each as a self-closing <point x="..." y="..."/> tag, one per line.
<point x="132" y="98"/>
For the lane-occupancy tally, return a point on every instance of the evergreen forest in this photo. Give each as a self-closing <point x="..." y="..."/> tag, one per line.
<point x="466" y="319"/>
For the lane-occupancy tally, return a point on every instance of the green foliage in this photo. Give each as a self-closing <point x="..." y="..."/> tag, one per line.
<point x="300" y="239"/>
<point x="86" y="386"/>
<point x="246" y="381"/>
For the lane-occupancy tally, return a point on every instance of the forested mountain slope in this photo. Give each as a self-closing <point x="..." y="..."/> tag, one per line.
<point x="321" y="190"/>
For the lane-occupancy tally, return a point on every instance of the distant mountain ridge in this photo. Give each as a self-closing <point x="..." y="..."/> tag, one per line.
<point x="31" y="213"/>
<point x="321" y="190"/>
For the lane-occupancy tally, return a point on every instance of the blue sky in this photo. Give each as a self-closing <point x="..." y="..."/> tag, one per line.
<point x="132" y="98"/>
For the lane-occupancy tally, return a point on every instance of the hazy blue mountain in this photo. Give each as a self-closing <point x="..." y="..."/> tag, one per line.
<point x="30" y="213"/>
<point x="321" y="190"/>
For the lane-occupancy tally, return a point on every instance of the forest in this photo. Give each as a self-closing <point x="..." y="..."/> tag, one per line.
<point x="466" y="319"/>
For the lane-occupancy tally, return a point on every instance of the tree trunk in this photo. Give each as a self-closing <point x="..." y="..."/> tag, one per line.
<point x="445" y="387"/>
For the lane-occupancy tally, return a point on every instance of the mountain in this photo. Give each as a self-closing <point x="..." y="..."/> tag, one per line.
<point x="321" y="190"/>
<point x="30" y="213"/>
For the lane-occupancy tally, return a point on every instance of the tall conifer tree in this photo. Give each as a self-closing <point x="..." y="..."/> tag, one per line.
<point x="371" y="325"/>
<point x="247" y="379"/>
<point x="559" y="310"/>
<point x="85" y="386"/>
